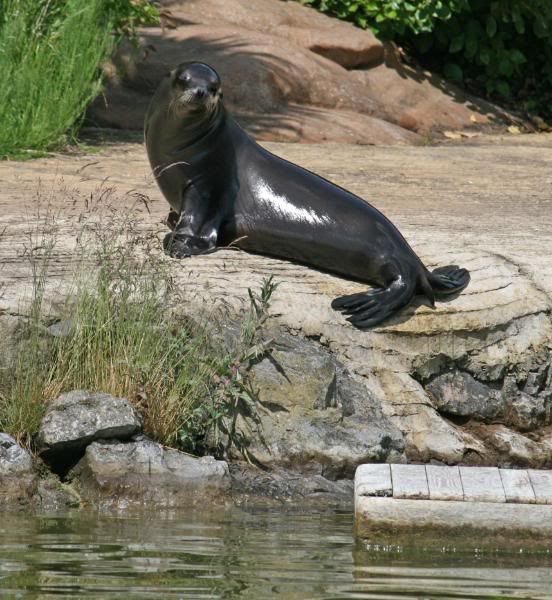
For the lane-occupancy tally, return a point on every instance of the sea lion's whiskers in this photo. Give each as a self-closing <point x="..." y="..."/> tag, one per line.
<point x="174" y="164"/>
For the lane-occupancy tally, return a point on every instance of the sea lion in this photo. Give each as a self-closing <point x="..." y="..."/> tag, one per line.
<point x="224" y="188"/>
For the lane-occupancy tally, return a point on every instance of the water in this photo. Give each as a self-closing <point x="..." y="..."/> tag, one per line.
<point x="253" y="555"/>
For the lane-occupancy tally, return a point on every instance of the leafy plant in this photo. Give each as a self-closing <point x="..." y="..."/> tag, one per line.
<point x="390" y="18"/>
<point x="233" y="395"/>
<point x="502" y="48"/>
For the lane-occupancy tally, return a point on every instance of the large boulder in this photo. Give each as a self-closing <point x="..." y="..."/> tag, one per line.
<point x="75" y="419"/>
<point x="289" y="74"/>
<point x="17" y="477"/>
<point x="143" y="473"/>
<point x="315" y="418"/>
<point x="336" y="40"/>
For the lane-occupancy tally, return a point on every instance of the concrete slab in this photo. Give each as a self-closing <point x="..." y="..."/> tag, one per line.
<point x="482" y="484"/>
<point x="542" y="484"/>
<point x="517" y="486"/>
<point x="498" y="502"/>
<point x="444" y="483"/>
<point x="409" y="481"/>
<point x="373" y="480"/>
<point x="466" y="518"/>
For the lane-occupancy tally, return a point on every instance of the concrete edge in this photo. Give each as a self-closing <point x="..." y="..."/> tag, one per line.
<point x="376" y="514"/>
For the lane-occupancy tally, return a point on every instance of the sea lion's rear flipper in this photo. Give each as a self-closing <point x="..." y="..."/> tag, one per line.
<point x="367" y="309"/>
<point x="448" y="280"/>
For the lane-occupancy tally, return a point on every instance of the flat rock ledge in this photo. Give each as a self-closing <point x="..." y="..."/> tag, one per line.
<point x="142" y="474"/>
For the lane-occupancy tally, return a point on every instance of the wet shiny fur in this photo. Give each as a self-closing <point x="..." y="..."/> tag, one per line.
<point x="224" y="188"/>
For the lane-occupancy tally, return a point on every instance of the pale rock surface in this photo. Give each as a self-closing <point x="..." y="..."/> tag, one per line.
<point x="76" y="418"/>
<point x="517" y="450"/>
<point x="142" y="473"/>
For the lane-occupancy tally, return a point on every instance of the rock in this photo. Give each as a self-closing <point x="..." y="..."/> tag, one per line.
<point x="52" y="495"/>
<point x="316" y="418"/>
<point x="546" y="442"/>
<point x="526" y="413"/>
<point x="459" y="394"/>
<point x="336" y="40"/>
<point x="293" y="82"/>
<point x="288" y="98"/>
<point x="17" y="478"/>
<point x="427" y="435"/>
<point x="14" y="460"/>
<point x="144" y="474"/>
<point x="514" y="449"/>
<point x="536" y="381"/>
<point x="295" y="374"/>
<point x="424" y="102"/>
<point x="75" y="419"/>
<point x="250" y="484"/>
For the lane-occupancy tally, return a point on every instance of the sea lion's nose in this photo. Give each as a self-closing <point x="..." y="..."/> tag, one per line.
<point x="199" y="92"/>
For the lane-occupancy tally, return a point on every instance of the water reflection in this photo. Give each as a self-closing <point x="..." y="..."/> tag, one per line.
<point x="241" y="554"/>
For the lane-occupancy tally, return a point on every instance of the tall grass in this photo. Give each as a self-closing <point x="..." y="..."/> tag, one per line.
<point x="50" y="52"/>
<point x="118" y="331"/>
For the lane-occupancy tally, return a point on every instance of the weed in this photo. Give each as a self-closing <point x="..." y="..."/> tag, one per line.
<point x="117" y="331"/>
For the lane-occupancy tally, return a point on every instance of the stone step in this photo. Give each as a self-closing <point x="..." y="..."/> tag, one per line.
<point x="503" y="501"/>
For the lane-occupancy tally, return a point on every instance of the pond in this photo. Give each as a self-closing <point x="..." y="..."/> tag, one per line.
<point x="252" y="554"/>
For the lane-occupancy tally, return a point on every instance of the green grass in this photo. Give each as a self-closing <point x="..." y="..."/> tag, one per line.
<point x="121" y="334"/>
<point x="50" y="52"/>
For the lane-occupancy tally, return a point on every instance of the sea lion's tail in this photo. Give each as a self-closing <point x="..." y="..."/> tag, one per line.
<point x="449" y="280"/>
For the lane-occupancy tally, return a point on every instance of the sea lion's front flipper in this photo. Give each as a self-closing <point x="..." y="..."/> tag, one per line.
<point x="195" y="229"/>
<point x="178" y="245"/>
<point x="367" y="309"/>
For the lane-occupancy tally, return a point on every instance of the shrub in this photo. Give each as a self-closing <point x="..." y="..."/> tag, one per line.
<point x="499" y="47"/>
<point x="50" y="54"/>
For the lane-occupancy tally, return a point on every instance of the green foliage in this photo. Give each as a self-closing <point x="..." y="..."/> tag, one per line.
<point x="499" y="47"/>
<point x="126" y="15"/>
<point x="391" y="18"/>
<point x="216" y="417"/>
<point x="503" y="47"/>
<point x="50" y="54"/>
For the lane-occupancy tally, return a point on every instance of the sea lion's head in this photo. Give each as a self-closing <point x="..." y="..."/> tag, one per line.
<point x="196" y="88"/>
